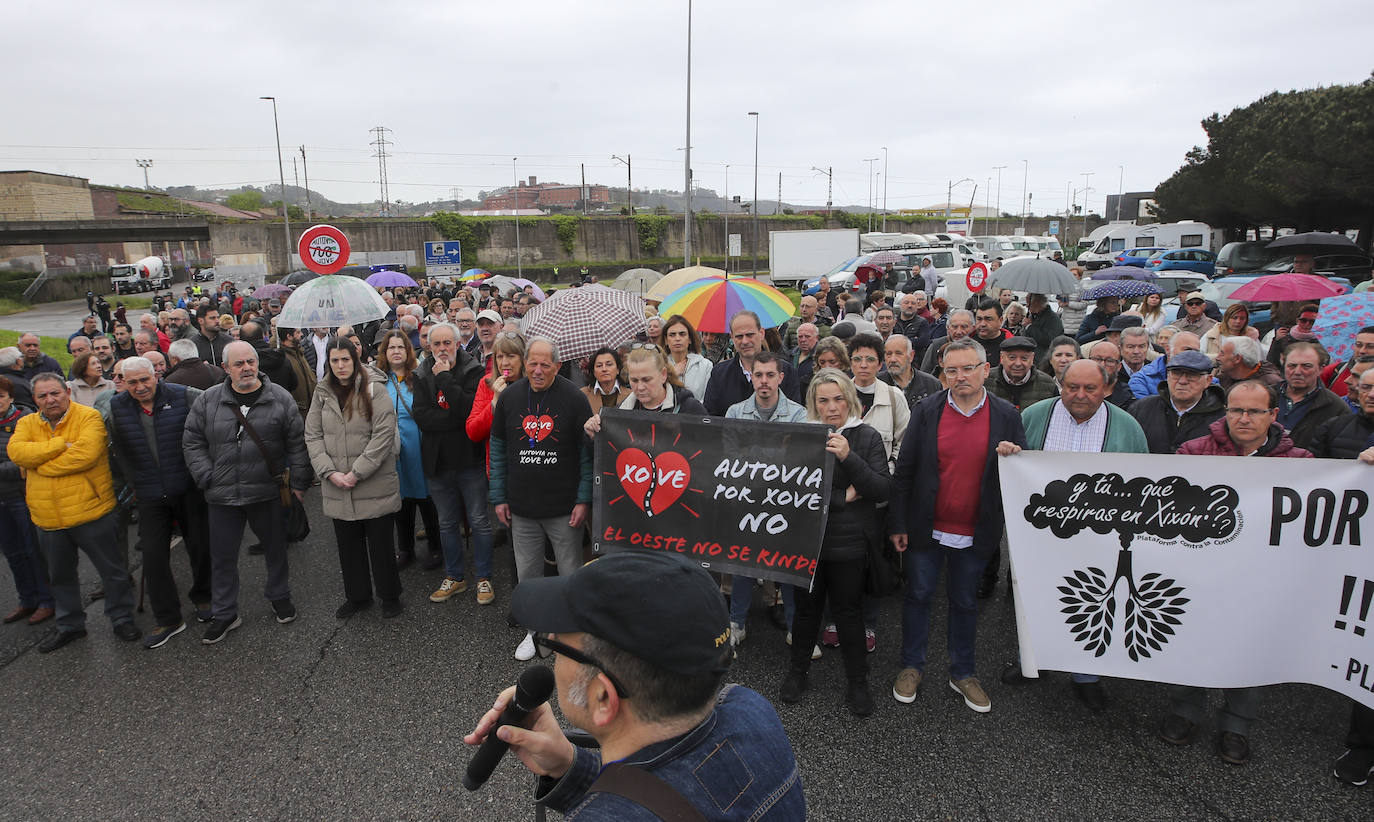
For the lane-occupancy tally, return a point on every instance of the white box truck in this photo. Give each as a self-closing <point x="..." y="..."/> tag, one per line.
<point x="795" y="256"/>
<point x="147" y="274"/>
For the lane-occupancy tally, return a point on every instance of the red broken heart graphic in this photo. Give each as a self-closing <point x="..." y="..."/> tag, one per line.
<point x="537" y="428"/>
<point x="655" y="484"/>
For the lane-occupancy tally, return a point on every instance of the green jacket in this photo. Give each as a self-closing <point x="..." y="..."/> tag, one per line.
<point x="1124" y="434"/>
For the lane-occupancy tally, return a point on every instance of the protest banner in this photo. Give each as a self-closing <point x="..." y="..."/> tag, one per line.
<point x="1222" y="572"/>
<point x="737" y="496"/>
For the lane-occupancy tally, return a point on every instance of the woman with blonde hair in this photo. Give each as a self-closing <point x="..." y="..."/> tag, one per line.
<point x="1235" y="322"/>
<point x="507" y="367"/>
<point x="831" y="353"/>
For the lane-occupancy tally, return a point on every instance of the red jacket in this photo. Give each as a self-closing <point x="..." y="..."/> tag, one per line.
<point x="479" y="418"/>
<point x="1218" y="443"/>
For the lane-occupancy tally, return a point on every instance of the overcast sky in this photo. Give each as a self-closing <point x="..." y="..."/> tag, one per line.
<point x="952" y="90"/>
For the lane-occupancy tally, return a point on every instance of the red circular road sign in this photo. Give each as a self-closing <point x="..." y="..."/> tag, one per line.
<point x="977" y="278"/>
<point x="323" y="249"/>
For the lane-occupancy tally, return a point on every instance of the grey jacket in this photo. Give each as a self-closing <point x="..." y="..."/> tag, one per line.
<point x="365" y="447"/>
<point x="225" y="462"/>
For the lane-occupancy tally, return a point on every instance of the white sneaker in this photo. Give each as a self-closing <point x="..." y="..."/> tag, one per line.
<point x="525" y="651"/>
<point x="737" y="634"/>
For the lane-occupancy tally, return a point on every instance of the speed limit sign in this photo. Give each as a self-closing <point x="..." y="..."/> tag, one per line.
<point x="977" y="278"/>
<point x="323" y="249"/>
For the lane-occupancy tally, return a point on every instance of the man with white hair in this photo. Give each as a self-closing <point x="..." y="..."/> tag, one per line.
<point x="148" y="322"/>
<point x="146" y="424"/>
<point x="1241" y="359"/>
<point x="20" y="391"/>
<point x="159" y="363"/>
<point x="958" y="326"/>
<point x="189" y="369"/>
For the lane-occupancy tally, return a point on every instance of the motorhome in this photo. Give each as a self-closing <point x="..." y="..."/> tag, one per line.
<point x="1185" y="234"/>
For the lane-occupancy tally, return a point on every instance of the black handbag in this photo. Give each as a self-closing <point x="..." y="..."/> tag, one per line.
<point x="883" y="576"/>
<point x="297" y="522"/>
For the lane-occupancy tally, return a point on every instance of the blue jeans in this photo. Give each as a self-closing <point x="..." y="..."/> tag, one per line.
<point x="97" y="539"/>
<point x="20" y="544"/>
<point x="925" y="560"/>
<point x="742" y="593"/>
<point x="453" y="492"/>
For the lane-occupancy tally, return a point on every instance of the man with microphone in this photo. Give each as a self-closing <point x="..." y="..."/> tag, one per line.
<point x="643" y="642"/>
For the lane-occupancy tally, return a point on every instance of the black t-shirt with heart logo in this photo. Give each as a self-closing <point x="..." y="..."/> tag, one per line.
<point x="544" y="449"/>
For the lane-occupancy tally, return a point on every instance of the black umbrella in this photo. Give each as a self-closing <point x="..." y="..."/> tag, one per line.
<point x="1314" y="242"/>
<point x="298" y="277"/>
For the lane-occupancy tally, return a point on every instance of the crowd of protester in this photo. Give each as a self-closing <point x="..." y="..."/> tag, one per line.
<point x="209" y="416"/>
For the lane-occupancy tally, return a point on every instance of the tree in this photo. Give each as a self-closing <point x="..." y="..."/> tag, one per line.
<point x="1300" y="159"/>
<point x="250" y="199"/>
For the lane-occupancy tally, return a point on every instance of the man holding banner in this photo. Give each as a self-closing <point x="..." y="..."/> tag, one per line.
<point x="947" y="509"/>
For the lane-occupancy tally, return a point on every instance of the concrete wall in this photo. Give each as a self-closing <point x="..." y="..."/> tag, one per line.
<point x="34" y="195"/>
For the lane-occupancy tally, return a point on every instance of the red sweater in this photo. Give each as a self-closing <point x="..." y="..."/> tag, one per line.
<point x="963" y="452"/>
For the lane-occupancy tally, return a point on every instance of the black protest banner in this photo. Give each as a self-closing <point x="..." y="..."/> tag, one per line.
<point x="737" y="496"/>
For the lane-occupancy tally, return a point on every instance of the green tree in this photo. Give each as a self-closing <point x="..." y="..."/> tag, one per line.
<point x="1300" y="159"/>
<point x="250" y="199"/>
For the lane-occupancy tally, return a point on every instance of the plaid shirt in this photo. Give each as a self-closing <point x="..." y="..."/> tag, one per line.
<point x="1067" y="434"/>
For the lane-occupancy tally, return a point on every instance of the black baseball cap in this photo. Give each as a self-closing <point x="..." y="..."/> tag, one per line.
<point x="660" y="607"/>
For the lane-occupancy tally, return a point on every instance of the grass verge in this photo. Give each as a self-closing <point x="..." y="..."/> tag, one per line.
<point x="55" y="347"/>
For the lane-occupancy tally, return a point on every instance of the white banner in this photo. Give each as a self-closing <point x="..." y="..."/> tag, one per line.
<point x="1221" y="572"/>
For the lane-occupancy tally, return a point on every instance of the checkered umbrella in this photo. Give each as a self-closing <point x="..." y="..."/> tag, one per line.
<point x="581" y="320"/>
<point x="1121" y="288"/>
<point x="885" y="258"/>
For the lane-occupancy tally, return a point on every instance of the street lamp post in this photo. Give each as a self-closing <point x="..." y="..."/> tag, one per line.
<point x="884" y="188"/>
<point x="997" y="228"/>
<point x="1025" y="176"/>
<point x="870" y="161"/>
<point x="281" y="173"/>
<point x="629" y="182"/>
<point x="1120" y="190"/>
<point x="754" y="207"/>
<point x="727" y="218"/>
<point x="515" y="212"/>
<point x="829" y="172"/>
<point x="949" y="195"/>
<point x="145" y="165"/>
<point x="1086" y="189"/>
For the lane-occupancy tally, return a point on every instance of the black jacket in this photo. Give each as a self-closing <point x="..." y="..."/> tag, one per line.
<point x="11" y="478"/>
<point x="916" y="329"/>
<point x="684" y="402"/>
<point x="1325" y="407"/>
<point x="728" y="385"/>
<point x="272" y="362"/>
<point x="198" y="373"/>
<point x="442" y="403"/>
<point x="922" y="385"/>
<point x="916" y="481"/>
<point x="227" y="464"/>
<point x="211" y="349"/>
<point x="1343" y="437"/>
<point x="851" y="526"/>
<point x="21" y="390"/>
<point x="1164" y="430"/>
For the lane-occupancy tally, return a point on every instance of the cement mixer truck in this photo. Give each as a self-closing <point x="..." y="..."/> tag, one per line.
<point x="147" y="274"/>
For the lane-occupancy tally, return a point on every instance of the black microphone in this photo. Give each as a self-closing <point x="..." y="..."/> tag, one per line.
<point x="532" y="689"/>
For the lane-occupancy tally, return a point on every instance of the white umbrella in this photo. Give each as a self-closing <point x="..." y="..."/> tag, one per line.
<point x="638" y="280"/>
<point x="677" y="279"/>
<point x="331" y="301"/>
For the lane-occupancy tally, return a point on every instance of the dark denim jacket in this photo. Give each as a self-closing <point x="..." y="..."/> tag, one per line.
<point x="737" y="764"/>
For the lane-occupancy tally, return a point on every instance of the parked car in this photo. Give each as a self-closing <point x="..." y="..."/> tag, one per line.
<point x="1170" y="283"/>
<point x="1136" y="256"/>
<point x="203" y="275"/>
<point x="1200" y="260"/>
<point x="1352" y="267"/>
<point x="1242" y="258"/>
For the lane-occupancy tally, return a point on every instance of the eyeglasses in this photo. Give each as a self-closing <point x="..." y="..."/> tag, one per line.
<point x="866" y="359"/>
<point x="1196" y="302"/>
<point x="966" y="370"/>
<point x="644" y="346"/>
<point x="1106" y="360"/>
<point x="1186" y="376"/>
<point x="1249" y="412"/>
<point x="543" y="641"/>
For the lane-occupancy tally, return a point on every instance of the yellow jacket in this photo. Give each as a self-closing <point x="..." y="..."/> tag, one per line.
<point x="68" y="468"/>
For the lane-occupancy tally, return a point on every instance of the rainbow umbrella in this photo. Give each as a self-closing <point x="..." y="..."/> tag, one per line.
<point x="709" y="303"/>
<point x="474" y="274"/>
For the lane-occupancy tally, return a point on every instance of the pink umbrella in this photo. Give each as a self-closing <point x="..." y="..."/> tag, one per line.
<point x="1287" y="288"/>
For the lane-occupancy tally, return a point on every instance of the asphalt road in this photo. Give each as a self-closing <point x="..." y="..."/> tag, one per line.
<point x="59" y="319"/>
<point x="363" y="719"/>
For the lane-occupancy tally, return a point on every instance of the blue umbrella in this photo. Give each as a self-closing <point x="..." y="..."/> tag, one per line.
<point x="1340" y="318"/>
<point x="1124" y="272"/>
<point x="1121" y="288"/>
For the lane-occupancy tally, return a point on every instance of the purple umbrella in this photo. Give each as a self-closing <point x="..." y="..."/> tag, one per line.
<point x="522" y="282"/>
<point x="391" y="279"/>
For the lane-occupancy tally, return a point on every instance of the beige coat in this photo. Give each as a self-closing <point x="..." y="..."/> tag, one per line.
<point x="367" y="448"/>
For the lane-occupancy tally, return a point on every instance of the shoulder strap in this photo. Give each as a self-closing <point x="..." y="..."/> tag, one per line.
<point x="646" y="790"/>
<point x="253" y="434"/>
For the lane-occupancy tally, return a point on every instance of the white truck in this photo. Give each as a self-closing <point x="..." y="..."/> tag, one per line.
<point x="1185" y="234"/>
<point x="796" y="256"/>
<point x="147" y="274"/>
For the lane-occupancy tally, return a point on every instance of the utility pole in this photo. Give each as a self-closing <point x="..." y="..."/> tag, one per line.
<point x="145" y="165"/>
<point x="295" y="172"/>
<point x="727" y="219"/>
<point x="515" y="191"/>
<point x="829" y="173"/>
<point x="1120" y="190"/>
<point x="884" y="188"/>
<point x="687" y="159"/>
<point x="1086" y="189"/>
<point x="998" y="208"/>
<point x="381" y="143"/>
<point x="986" y="203"/>
<point x="629" y="182"/>
<point x="778" y="210"/>
<point x="583" y="192"/>
<point x="1025" y="176"/>
<point x="754" y="206"/>
<point x="305" y="168"/>
<point x="281" y="173"/>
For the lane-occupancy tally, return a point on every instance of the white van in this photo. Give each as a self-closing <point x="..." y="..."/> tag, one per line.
<point x="1186" y="234"/>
